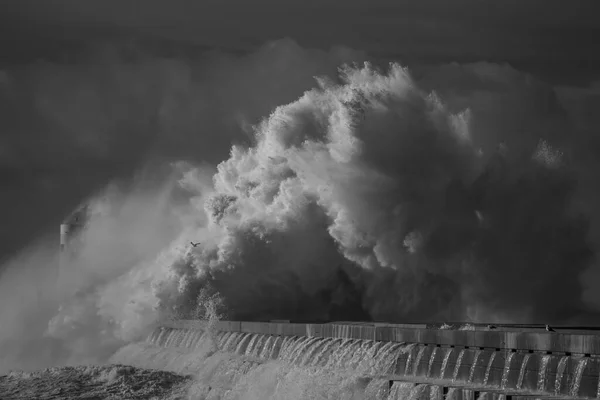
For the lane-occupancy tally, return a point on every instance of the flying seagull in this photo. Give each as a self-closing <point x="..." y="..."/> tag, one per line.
<point x="195" y="244"/>
<point x="549" y="329"/>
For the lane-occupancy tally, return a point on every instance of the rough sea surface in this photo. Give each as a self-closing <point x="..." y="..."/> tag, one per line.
<point x="93" y="382"/>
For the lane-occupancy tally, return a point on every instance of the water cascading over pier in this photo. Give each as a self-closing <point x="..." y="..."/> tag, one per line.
<point x="386" y="361"/>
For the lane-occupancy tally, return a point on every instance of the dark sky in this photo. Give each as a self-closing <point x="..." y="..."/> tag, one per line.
<point x="552" y="38"/>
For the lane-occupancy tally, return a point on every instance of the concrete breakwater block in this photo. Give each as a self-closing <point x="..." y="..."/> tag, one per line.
<point x="501" y="369"/>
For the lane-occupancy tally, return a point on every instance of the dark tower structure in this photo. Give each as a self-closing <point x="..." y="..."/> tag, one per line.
<point x="69" y="230"/>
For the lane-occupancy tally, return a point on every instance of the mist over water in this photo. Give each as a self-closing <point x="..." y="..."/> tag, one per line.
<point x="454" y="192"/>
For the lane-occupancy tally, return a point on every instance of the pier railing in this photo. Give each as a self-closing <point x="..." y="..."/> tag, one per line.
<point x="577" y="344"/>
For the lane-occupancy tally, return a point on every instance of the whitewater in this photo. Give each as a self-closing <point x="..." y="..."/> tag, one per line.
<point x="229" y="366"/>
<point x="372" y="196"/>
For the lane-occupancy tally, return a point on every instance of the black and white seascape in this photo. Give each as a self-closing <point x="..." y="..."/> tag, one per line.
<point x="387" y="161"/>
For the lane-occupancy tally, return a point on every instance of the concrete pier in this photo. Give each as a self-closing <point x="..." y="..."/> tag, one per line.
<point x="514" y="363"/>
<point x="576" y="344"/>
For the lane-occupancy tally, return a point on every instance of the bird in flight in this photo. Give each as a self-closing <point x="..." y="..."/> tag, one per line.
<point x="195" y="244"/>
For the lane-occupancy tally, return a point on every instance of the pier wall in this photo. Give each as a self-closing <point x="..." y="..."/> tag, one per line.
<point x="546" y="342"/>
<point x="543" y="364"/>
